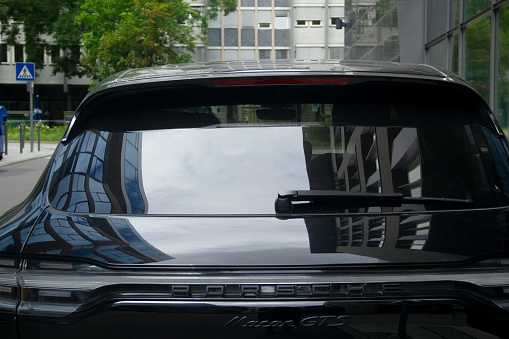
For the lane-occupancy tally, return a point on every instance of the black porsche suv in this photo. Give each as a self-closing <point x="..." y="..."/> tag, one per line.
<point x="283" y="199"/>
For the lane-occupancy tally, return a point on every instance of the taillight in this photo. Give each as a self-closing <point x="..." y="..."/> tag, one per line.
<point x="9" y="291"/>
<point x="282" y="81"/>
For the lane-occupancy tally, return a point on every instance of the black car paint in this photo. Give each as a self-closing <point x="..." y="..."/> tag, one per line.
<point x="307" y="291"/>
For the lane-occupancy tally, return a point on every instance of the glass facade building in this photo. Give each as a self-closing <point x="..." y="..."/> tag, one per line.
<point x="467" y="37"/>
<point x="471" y="38"/>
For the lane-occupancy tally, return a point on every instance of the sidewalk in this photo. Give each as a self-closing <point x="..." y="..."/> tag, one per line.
<point x="14" y="155"/>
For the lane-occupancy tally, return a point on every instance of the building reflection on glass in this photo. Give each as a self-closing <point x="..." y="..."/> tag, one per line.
<point x="88" y="187"/>
<point x="100" y="172"/>
<point x="372" y="160"/>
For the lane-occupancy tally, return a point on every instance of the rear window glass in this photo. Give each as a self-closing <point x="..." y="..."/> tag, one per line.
<point x="236" y="158"/>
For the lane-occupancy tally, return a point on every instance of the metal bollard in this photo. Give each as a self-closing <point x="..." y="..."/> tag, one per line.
<point x="6" y="139"/>
<point x="39" y="137"/>
<point x="21" y="138"/>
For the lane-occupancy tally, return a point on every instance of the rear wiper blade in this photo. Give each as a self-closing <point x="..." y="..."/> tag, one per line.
<point x="343" y="199"/>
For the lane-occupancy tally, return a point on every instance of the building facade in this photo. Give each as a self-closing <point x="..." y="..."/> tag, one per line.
<point x="258" y="29"/>
<point x="275" y="29"/>
<point x="467" y="37"/>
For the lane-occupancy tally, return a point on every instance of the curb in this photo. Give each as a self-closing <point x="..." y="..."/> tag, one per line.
<point x="15" y="156"/>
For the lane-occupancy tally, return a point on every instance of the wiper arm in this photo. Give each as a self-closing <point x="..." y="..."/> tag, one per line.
<point x="343" y="199"/>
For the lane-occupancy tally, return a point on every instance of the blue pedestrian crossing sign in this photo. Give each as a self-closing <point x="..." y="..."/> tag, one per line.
<point x="25" y="71"/>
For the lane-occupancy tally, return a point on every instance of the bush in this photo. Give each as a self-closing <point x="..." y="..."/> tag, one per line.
<point x="53" y="133"/>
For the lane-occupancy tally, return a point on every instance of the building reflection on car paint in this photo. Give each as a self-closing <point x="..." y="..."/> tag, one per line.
<point x="112" y="240"/>
<point x="88" y="188"/>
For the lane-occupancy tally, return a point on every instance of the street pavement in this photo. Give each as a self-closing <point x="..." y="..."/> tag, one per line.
<point x="14" y="155"/>
<point x="19" y="172"/>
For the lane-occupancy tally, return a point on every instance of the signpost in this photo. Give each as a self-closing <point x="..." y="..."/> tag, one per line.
<point x="25" y="71"/>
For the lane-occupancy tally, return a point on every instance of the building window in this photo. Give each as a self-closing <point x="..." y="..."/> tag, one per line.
<point x="54" y="53"/>
<point x="477" y="70"/>
<point x="264" y="54"/>
<point x="502" y="109"/>
<point x="248" y="54"/>
<point x="264" y="19"/>
<point x="436" y="54"/>
<point x="436" y="18"/>
<point x="231" y="37"/>
<point x="19" y="55"/>
<point x="301" y="22"/>
<point x="264" y="3"/>
<point x="214" y="55"/>
<point x="248" y="19"/>
<point x="264" y="38"/>
<point x="309" y="53"/>
<point x="474" y="7"/>
<point x="336" y="53"/>
<point x="336" y="13"/>
<point x="216" y="22"/>
<point x="281" y="54"/>
<point x="230" y="21"/>
<point x="282" y="20"/>
<point x="454" y="55"/>
<point x="231" y="54"/>
<point x="39" y="56"/>
<point x="214" y="37"/>
<point x="316" y="22"/>
<point x="247" y="37"/>
<point x="3" y="53"/>
<point x="198" y="54"/>
<point x="455" y="13"/>
<point x="282" y="37"/>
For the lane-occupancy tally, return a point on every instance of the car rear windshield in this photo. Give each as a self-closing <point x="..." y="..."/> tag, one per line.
<point x="234" y="151"/>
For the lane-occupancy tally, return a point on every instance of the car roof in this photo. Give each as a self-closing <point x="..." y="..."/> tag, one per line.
<point x="175" y="72"/>
<point x="165" y="76"/>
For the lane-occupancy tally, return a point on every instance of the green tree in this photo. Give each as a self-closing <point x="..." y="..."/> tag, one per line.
<point x="47" y="27"/>
<point x="113" y="35"/>
<point x="122" y="34"/>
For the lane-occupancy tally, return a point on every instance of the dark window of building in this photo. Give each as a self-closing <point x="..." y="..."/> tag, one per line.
<point x="39" y="54"/>
<point x="54" y="52"/>
<point x="281" y="54"/>
<point x="214" y="37"/>
<point x="75" y="52"/>
<point x="282" y="37"/>
<point x="264" y="54"/>
<point x="264" y="38"/>
<point x="437" y="18"/>
<point x="474" y="7"/>
<point x="3" y="53"/>
<point x="247" y="3"/>
<point x="248" y="37"/>
<point x="231" y="37"/>
<point x="19" y="53"/>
